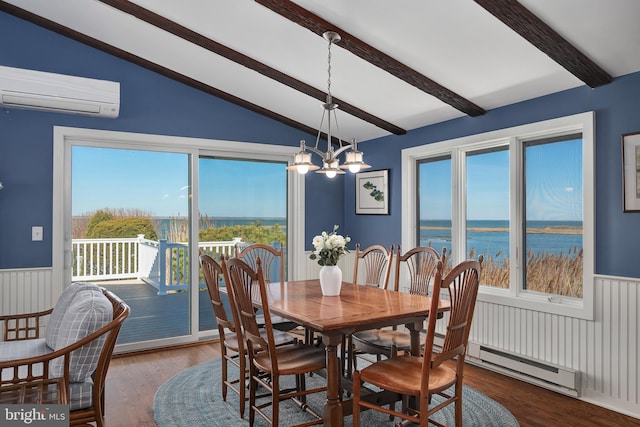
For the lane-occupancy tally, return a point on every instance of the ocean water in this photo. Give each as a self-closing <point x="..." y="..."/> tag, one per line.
<point x="496" y="243"/>
<point x="163" y="224"/>
<point x="226" y="221"/>
<point x="488" y="243"/>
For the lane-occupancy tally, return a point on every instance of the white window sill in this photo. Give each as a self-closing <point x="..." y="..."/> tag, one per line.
<point x="544" y="303"/>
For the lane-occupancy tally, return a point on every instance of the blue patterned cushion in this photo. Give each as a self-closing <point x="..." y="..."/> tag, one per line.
<point x="89" y="311"/>
<point x="80" y="395"/>
<point x="61" y="307"/>
<point x="13" y="350"/>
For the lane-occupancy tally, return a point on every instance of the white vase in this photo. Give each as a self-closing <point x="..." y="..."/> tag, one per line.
<point x="330" y="280"/>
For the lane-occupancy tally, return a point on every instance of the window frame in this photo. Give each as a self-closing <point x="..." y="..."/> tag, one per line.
<point x="66" y="137"/>
<point x="514" y="137"/>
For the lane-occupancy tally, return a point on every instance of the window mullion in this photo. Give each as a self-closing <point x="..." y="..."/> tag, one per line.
<point x="458" y="205"/>
<point x="516" y="213"/>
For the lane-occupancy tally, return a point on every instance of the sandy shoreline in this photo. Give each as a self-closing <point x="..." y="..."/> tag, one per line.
<point x="545" y="230"/>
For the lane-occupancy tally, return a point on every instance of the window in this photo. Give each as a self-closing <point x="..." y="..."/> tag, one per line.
<point x="434" y="193"/>
<point x="487" y="222"/>
<point x="521" y="197"/>
<point x="186" y="153"/>
<point x="553" y="216"/>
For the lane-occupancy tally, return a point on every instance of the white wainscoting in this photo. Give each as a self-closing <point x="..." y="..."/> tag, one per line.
<point x="26" y="291"/>
<point x="606" y="350"/>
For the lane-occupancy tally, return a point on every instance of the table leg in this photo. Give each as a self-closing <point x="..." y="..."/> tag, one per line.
<point x="332" y="413"/>
<point x="414" y="332"/>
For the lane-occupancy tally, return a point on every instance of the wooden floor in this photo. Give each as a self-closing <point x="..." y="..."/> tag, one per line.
<point x="133" y="380"/>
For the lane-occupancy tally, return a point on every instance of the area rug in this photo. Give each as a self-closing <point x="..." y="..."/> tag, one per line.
<point x="193" y="398"/>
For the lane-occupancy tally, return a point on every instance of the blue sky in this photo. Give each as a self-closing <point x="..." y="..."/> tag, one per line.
<point x="553" y="185"/>
<point x="157" y="183"/>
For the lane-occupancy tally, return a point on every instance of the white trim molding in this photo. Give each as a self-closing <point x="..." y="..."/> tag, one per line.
<point x="515" y="296"/>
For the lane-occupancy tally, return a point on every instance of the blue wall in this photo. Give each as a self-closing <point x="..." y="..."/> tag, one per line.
<point x="153" y="104"/>
<point x="617" y="107"/>
<point x="150" y="103"/>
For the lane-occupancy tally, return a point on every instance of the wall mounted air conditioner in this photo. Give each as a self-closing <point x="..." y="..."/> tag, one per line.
<point x="38" y="90"/>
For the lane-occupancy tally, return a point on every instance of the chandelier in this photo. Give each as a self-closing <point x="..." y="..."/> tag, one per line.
<point x="330" y="162"/>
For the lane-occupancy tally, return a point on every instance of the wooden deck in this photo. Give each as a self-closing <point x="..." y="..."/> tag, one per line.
<point x="157" y="316"/>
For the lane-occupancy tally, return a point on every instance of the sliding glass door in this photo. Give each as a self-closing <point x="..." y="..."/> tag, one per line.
<point x="132" y="212"/>
<point x="130" y="225"/>
<point x="240" y="202"/>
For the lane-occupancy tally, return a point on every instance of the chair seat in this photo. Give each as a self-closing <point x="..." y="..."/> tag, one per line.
<point x="293" y="359"/>
<point x="279" y="323"/>
<point x="12" y="350"/>
<point x="280" y="338"/>
<point x="231" y="341"/>
<point x="385" y="339"/>
<point x="403" y="375"/>
<point x="80" y="393"/>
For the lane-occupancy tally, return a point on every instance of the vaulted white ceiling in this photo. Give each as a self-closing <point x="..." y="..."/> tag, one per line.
<point x="458" y="44"/>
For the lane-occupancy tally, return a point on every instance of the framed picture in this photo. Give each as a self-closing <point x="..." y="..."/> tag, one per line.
<point x="372" y="193"/>
<point x="631" y="174"/>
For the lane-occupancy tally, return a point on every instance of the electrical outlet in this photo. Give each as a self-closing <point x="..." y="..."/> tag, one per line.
<point x="37" y="233"/>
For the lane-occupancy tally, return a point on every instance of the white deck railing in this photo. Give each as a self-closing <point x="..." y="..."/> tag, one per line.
<point x="162" y="264"/>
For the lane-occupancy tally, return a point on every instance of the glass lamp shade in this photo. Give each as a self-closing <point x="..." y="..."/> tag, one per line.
<point x="355" y="161"/>
<point x="330" y="168"/>
<point x="302" y="169"/>
<point x="302" y="163"/>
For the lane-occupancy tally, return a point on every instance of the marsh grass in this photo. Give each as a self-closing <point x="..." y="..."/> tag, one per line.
<point x="557" y="274"/>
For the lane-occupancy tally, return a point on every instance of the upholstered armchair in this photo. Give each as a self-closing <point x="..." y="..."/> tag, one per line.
<point x="81" y="332"/>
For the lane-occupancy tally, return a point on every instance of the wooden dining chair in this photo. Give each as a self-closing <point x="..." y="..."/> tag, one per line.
<point x="372" y="266"/>
<point x="269" y="257"/>
<point x="420" y="264"/>
<point x="421" y="377"/>
<point x="268" y="362"/>
<point x="231" y="342"/>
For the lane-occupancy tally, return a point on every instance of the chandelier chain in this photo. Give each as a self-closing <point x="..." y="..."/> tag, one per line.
<point x="329" y="72"/>
<point x="330" y="162"/>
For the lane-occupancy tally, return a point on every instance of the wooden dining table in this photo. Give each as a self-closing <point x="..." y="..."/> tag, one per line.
<point x="357" y="308"/>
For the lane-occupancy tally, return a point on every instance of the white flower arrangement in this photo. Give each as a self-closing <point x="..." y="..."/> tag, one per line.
<point x="328" y="247"/>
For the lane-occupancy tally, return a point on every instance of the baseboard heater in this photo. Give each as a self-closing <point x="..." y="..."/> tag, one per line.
<point x="556" y="378"/>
